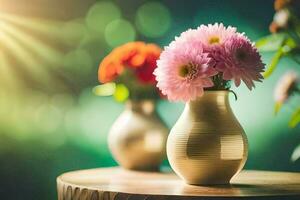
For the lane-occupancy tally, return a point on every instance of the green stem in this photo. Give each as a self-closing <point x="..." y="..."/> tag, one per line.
<point x="219" y="83"/>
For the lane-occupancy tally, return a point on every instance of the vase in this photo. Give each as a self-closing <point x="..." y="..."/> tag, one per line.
<point x="137" y="139"/>
<point x="207" y="145"/>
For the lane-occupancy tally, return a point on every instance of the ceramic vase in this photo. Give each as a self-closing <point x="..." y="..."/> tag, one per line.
<point x="207" y="145"/>
<point x="137" y="139"/>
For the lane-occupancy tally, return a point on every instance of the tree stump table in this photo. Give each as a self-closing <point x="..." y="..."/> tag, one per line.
<point x="120" y="184"/>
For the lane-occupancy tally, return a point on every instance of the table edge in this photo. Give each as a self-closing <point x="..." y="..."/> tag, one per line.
<point x="65" y="184"/>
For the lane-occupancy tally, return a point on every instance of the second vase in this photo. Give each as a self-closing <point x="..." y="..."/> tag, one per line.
<point x="138" y="137"/>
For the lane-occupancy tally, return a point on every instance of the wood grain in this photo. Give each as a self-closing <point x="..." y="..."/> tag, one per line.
<point x="118" y="184"/>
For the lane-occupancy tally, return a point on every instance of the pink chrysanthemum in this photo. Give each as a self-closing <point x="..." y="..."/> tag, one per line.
<point x="214" y="35"/>
<point x="187" y="65"/>
<point x="209" y="36"/>
<point x="183" y="70"/>
<point x="239" y="60"/>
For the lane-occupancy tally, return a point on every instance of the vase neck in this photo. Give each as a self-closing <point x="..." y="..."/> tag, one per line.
<point x="210" y="102"/>
<point x="146" y="107"/>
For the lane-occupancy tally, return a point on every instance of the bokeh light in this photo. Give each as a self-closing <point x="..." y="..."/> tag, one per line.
<point x="78" y="61"/>
<point x="153" y="19"/>
<point x="106" y="89"/>
<point x="64" y="101"/>
<point x="119" y="32"/>
<point x="48" y="118"/>
<point x="74" y="31"/>
<point x="94" y="44"/>
<point x="121" y="93"/>
<point x="71" y="122"/>
<point x="101" y="14"/>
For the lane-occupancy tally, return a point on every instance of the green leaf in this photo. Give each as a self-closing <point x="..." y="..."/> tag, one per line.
<point x="288" y="45"/>
<point x="106" y="89"/>
<point x="121" y="93"/>
<point x="271" y="42"/>
<point x="277" y="107"/>
<point x="296" y="154"/>
<point x="295" y="119"/>
<point x="274" y="63"/>
<point x="290" y="42"/>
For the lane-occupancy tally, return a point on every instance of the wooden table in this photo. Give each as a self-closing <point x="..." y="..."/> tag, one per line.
<point x="116" y="183"/>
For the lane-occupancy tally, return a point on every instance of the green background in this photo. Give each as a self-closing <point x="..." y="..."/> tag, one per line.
<point x="51" y="122"/>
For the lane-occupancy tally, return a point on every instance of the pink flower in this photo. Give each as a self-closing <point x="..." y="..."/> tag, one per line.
<point x="209" y="36"/>
<point x="186" y="66"/>
<point x="285" y="87"/>
<point x="214" y="35"/>
<point x="183" y="70"/>
<point x="239" y="60"/>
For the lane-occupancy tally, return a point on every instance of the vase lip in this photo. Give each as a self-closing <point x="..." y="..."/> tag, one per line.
<point x="130" y="101"/>
<point x="209" y="93"/>
<point x="216" y="91"/>
<point x="146" y="106"/>
<point x="221" y="90"/>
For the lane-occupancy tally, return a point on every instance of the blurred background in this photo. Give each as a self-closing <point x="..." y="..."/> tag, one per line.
<point x="50" y="120"/>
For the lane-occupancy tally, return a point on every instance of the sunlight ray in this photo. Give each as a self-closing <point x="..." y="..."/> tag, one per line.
<point x="7" y="80"/>
<point x="48" y="27"/>
<point x="48" y="54"/>
<point x="28" y="61"/>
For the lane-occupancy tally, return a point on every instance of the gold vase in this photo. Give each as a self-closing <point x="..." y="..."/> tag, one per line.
<point x="207" y="145"/>
<point x="137" y="139"/>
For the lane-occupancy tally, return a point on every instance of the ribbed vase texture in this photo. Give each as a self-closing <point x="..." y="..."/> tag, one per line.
<point x="207" y="145"/>
<point x="137" y="139"/>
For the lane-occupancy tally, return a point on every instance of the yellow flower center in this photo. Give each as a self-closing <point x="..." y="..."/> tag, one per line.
<point x="183" y="71"/>
<point x="214" y="40"/>
<point x="188" y="71"/>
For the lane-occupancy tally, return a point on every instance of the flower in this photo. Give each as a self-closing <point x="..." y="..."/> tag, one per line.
<point x="280" y="20"/>
<point x="145" y="71"/>
<point x="239" y="60"/>
<point x="282" y="17"/>
<point x="211" y="35"/>
<point x="188" y="36"/>
<point x="280" y="4"/>
<point x="136" y="56"/>
<point x="183" y="70"/>
<point x="109" y="68"/>
<point x="132" y="54"/>
<point x="214" y="35"/>
<point x="285" y="87"/>
<point x="274" y="28"/>
<point x="207" y="57"/>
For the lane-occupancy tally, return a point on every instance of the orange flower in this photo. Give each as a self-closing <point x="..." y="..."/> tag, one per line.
<point x="274" y="28"/>
<point x="280" y="4"/>
<point x="136" y="56"/>
<point x="109" y="68"/>
<point x="145" y="70"/>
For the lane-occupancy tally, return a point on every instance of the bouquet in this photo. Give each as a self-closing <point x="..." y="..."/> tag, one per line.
<point x="127" y="72"/>
<point x="287" y="88"/>
<point x="207" y="58"/>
